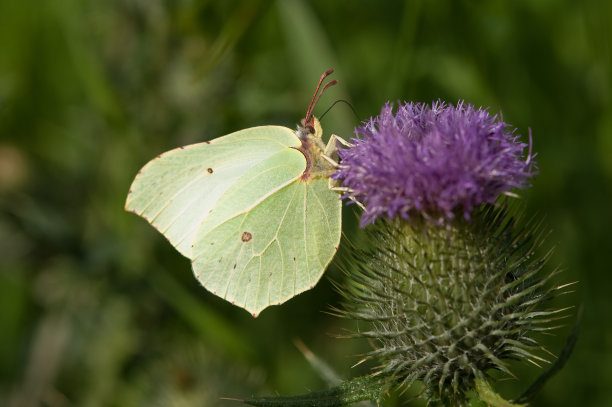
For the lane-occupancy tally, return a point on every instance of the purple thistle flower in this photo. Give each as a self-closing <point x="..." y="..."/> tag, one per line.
<point x="435" y="161"/>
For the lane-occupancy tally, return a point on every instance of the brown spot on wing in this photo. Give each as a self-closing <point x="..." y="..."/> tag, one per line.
<point x="209" y="170"/>
<point x="246" y="236"/>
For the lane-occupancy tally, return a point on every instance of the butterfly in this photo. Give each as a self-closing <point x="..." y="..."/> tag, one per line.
<point x="255" y="210"/>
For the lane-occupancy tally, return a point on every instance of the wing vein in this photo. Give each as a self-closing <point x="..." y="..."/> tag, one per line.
<point x="305" y="237"/>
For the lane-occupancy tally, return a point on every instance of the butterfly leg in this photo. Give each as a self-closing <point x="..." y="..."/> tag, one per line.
<point x="331" y="149"/>
<point x="331" y="155"/>
<point x="332" y="145"/>
<point x="343" y="141"/>
<point x="333" y="185"/>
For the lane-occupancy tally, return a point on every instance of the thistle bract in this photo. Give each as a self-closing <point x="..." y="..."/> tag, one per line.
<point x="448" y="305"/>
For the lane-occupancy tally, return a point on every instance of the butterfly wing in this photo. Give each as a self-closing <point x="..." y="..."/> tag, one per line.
<point x="176" y="191"/>
<point x="272" y="250"/>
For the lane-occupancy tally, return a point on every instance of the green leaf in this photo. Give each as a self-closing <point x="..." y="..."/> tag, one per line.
<point x="347" y="393"/>
<point x="556" y="366"/>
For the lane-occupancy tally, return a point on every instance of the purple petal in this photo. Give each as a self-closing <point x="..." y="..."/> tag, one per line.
<point x="435" y="161"/>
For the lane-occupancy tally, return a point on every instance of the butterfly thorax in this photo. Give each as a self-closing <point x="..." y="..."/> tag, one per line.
<point x="313" y="148"/>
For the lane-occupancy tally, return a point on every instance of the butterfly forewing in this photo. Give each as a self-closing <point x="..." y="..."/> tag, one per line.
<point x="176" y="191"/>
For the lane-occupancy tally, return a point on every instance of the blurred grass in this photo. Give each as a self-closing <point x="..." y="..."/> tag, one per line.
<point x="97" y="309"/>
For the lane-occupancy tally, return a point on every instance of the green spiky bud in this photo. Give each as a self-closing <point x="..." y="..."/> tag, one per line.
<point x="448" y="305"/>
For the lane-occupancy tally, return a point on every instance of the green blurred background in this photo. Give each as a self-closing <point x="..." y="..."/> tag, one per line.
<point x="97" y="309"/>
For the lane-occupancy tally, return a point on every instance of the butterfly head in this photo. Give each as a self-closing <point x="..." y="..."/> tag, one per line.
<point x="309" y="125"/>
<point x="307" y="131"/>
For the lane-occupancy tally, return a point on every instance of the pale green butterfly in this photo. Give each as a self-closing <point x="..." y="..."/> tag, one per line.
<point x="254" y="210"/>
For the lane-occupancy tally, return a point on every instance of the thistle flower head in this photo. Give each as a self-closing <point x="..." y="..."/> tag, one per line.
<point x="435" y="161"/>
<point x="444" y="305"/>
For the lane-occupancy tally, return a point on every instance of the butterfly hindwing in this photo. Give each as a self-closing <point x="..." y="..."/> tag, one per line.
<point x="275" y="250"/>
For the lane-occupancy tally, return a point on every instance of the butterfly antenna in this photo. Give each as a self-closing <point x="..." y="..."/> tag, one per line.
<point x="340" y="101"/>
<point x="327" y="85"/>
<point x="308" y="118"/>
